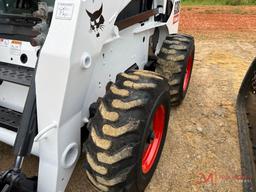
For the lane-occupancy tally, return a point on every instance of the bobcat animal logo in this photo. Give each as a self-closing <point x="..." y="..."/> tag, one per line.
<point x="97" y="21"/>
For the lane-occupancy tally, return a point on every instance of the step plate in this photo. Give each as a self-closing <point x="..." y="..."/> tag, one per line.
<point x="16" y="74"/>
<point x="10" y="119"/>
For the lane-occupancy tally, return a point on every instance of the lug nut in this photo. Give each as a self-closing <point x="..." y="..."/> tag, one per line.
<point x="151" y="137"/>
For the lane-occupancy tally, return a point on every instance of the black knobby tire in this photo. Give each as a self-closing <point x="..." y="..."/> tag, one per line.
<point x="120" y="130"/>
<point x="175" y="60"/>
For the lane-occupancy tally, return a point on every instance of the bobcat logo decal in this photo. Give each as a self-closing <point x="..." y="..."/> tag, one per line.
<point x="97" y="21"/>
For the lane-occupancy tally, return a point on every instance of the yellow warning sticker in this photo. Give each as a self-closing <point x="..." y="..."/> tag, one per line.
<point x="16" y="42"/>
<point x="15" y="48"/>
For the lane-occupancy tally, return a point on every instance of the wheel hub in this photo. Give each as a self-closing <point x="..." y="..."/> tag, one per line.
<point x="154" y="139"/>
<point x="188" y="73"/>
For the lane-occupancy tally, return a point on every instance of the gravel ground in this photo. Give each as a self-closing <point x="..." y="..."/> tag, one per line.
<point x="201" y="151"/>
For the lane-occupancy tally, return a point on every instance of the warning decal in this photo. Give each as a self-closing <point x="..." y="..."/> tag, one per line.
<point x="4" y="42"/>
<point x="15" y="48"/>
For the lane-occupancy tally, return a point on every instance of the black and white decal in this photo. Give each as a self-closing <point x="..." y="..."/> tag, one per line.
<point x="96" y="21"/>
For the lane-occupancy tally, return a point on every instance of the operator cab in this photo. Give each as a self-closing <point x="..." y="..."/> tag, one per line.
<point x="18" y="7"/>
<point x="24" y="26"/>
<point x="25" y="20"/>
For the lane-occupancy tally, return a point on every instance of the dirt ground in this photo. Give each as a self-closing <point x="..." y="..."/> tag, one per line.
<point x="202" y="150"/>
<point x="219" y="21"/>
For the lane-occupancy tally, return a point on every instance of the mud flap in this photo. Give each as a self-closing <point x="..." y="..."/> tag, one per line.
<point x="246" y="119"/>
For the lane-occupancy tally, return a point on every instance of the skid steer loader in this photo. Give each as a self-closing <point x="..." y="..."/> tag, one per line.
<point x="101" y="74"/>
<point x="246" y="111"/>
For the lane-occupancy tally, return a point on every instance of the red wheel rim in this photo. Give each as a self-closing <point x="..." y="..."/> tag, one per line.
<point x="188" y="73"/>
<point x="151" y="150"/>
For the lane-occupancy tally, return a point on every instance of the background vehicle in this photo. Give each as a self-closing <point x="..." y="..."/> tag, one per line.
<point x="58" y="62"/>
<point x="246" y="110"/>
